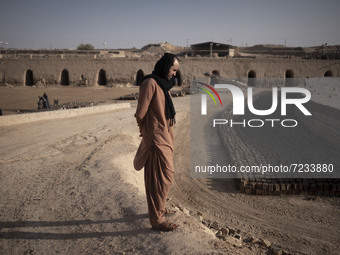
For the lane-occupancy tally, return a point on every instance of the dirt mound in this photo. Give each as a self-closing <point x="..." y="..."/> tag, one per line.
<point x="162" y="48"/>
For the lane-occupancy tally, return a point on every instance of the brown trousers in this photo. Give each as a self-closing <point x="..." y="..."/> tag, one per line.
<point x="158" y="177"/>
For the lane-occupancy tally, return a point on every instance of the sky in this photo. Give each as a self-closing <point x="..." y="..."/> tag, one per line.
<point x="64" y="24"/>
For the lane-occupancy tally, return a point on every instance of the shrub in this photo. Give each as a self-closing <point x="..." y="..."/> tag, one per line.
<point x="85" y="47"/>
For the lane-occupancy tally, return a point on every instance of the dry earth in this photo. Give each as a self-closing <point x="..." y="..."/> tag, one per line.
<point x="68" y="187"/>
<point x="25" y="98"/>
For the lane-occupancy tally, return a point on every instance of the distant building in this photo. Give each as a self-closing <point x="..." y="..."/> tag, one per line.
<point x="211" y="49"/>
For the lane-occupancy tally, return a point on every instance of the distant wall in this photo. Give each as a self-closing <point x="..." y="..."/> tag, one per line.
<point x="22" y="72"/>
<point x="115" y="70"/>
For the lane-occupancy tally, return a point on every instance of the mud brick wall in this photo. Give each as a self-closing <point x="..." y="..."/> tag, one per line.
<point x="323" y="123"/>
<point x="316" y="187"/>
<point x="124" y="70"/>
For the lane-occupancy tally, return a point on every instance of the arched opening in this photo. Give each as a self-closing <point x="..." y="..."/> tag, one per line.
<point x="102" y="77"/>
<point x="216" y="73"/>
<point x="29" y="80"/>
<point x="64" y="78"/>
<point x="179" y="78"/>
<point x="289" y="74"/>
<point x="139" y="77"/>
<point x="328" y="74"/>
<point x="3" y="78"/>
<point x="251" y="78"/>
<point x="289" y="81"/>
<point x="251" y="74"/>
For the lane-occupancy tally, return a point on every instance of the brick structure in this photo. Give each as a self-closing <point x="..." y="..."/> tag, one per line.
<point x="71" y="71"/>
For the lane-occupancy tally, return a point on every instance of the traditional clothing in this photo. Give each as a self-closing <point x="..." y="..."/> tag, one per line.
<point x="155" y="117"/>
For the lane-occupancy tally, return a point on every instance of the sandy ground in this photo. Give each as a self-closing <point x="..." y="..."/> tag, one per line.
<point x="26" y="98"/>
<point x="68" y="187"/>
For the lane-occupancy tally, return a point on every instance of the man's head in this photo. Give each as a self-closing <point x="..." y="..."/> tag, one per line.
<point x="173" y="69"/>
<point x="167" y="66"/>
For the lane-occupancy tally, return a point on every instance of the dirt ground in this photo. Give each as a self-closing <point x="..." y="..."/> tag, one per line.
<point x="25" y="98"/>
<point x="68" y="187"/>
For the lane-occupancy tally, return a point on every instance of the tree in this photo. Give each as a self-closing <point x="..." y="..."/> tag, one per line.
<point x="86" y="46"/>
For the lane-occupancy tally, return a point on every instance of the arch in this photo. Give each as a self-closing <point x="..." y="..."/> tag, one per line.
<point x="289" y="82"/>
<point x="216" y="73"/>
<point x="139" y="77"/>
<point x="3" y="78"/>
<point x="251" y="74"/>
<point x="328" y="73"/>
<point x="29" y="78"/>
<point x="251" y="78"/>
<point x="101" y="77"/>
<point x="64" y="78"/>
<point x="289" y="73"/>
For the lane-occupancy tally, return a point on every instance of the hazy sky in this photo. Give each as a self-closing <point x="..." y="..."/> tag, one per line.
<point x="130" y="23"/>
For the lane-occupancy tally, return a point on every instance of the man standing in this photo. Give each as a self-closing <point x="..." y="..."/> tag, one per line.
<point x="47" y="102"/>
<point x="155" y="117"/>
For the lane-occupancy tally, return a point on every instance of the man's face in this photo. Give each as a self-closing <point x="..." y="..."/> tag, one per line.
<point x="173" y="69"/>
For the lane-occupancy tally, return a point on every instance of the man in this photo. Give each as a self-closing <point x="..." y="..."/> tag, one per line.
<point x="155" y="117"/>
<point x="47" y="102"/>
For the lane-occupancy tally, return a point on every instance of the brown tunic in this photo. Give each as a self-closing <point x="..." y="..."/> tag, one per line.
<point x="156" y="150"/>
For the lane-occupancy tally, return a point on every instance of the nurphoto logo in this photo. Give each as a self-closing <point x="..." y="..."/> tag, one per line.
<point x="239" y="107"/>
